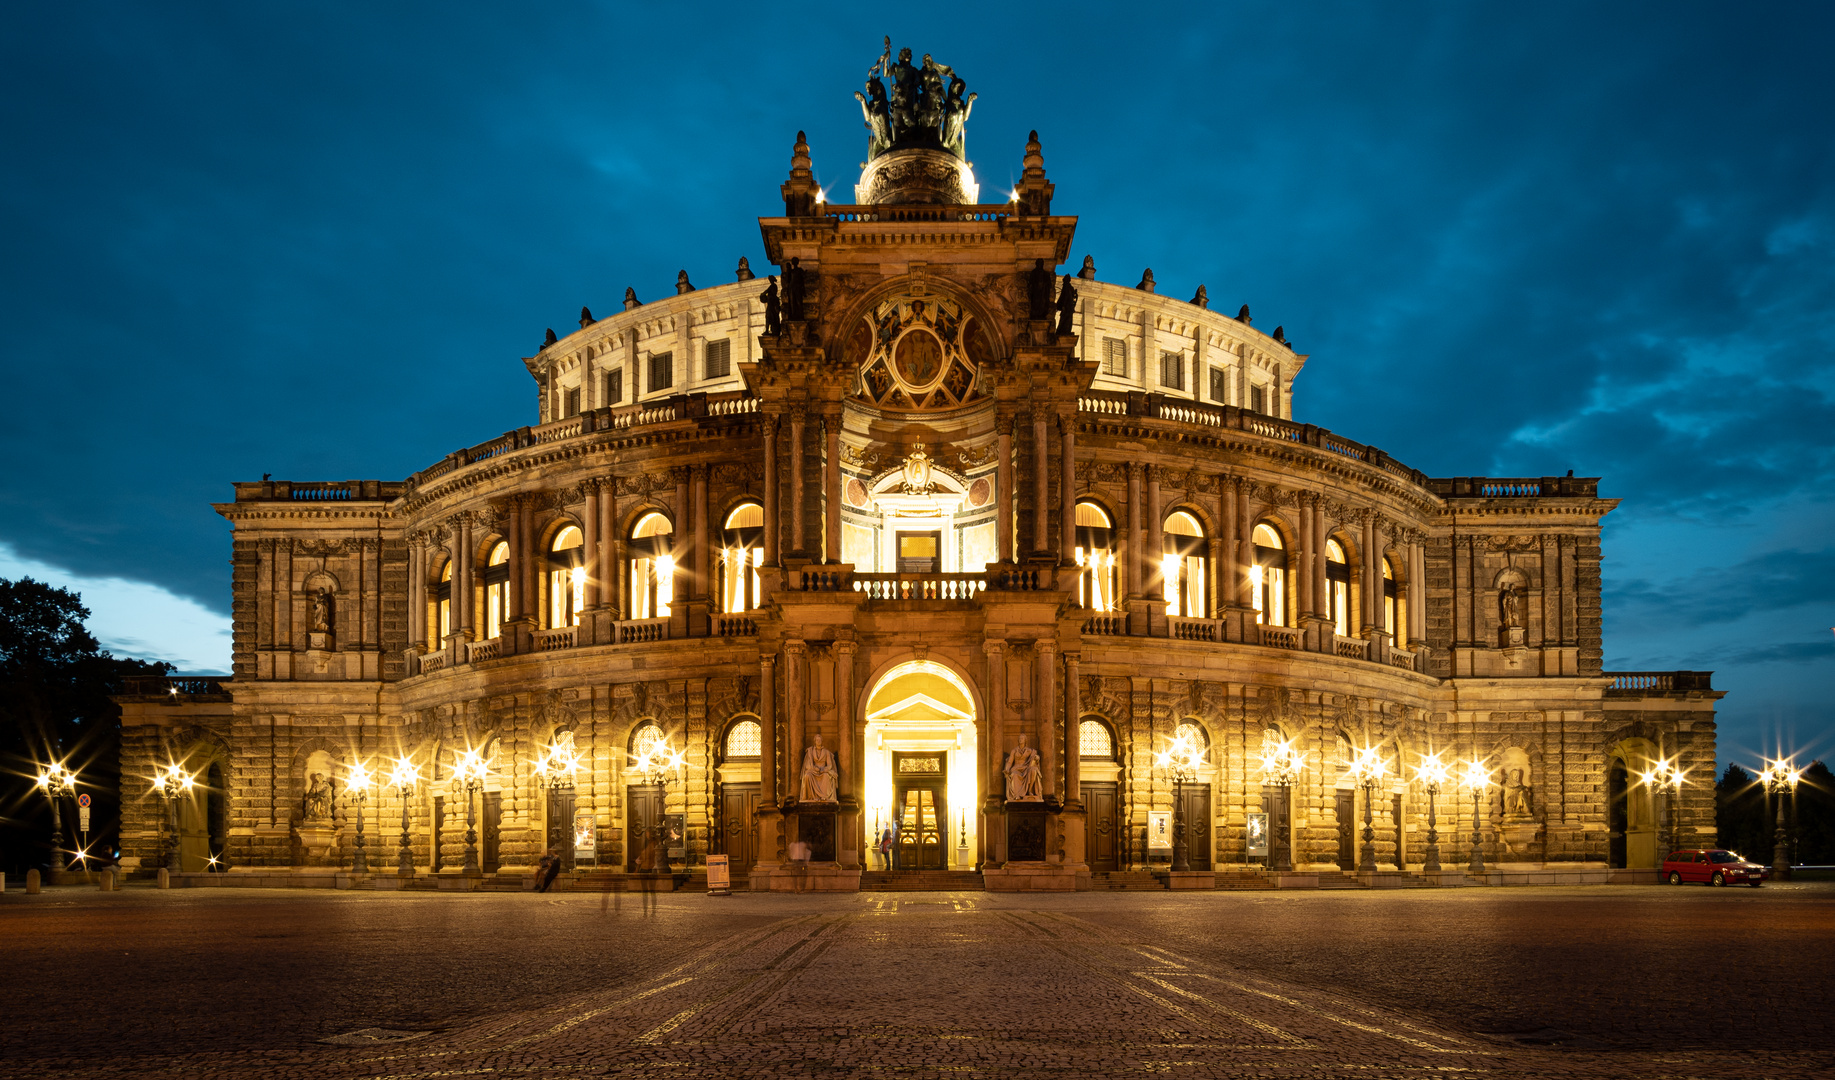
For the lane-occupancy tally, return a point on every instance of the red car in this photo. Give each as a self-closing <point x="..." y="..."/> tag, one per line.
<point x="1713" y="867"/>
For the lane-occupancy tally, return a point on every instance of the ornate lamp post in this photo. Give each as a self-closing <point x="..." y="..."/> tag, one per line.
<point x="172" y="782"/>
<point x="657" y="763"/>
<point x="1368" y="771"/>
<point x="1780" y="776"/>
<point x="1281" y="766"/>
<point x="357" y="788"/>
<point x="1181" y="760"/>
<point x="57" y="783"/>
<point x="1477" y="777"/>
<point x="1432" y="772"/>
<point x="403" y="779"/>
<point x="468" y="775"/>
<point x="1667" y="777"/>
<point x="554" y="772"/>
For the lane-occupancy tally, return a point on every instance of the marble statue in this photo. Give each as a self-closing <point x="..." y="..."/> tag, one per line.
<point x="1024" y="782"/>
<point x="1510" y="605"/>
<point x="820" y="776"/>
<point x="321" y="611"/>
<point x="316" y="806"/>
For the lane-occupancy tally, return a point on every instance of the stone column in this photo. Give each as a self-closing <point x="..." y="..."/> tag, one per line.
<point x="1245" y="544"/>
<point x="703" y="535"/>
<point x="1305" y="548"/>
<point x="1003" y="482"/>
<point x="851" y="791"/>
<point x="1073" y="734"/>
<point x="530" y="566"/>
<point x="1041" y="485"/>
<point x="990" y="732"/>
<point x="589" y="553"/>
<point x="609" y="560"/>
<point x="517" y="554"/>
<point x="1131" y="542"/>
<point x="831" y="484"/>
<point x="462" y="579"/>
<point x="1044" y="709"/>
<point x="768" y="431"/>
<point x="1153" y="545"/>
<point x="417" y="593"/>
<point x="1067" y="498"/>
<point x="1417" y="594"/>
<point x="797" y="420"/>
<point x="1372" y="577"/>
<point x="796" y="656"/>
<point x="767" y="725"/>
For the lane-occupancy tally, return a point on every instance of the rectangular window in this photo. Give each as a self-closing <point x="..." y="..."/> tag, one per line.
<point x="572" y="408"/>
<point x="662" y="371"/>
<point x="1258" y="399"/>
<point x="1172" y="370"/>
<point x="614" y="387"/>
<point x="1220" y="385"/>
<point x="719" y="359"/>
<point x="1115" y="357"/>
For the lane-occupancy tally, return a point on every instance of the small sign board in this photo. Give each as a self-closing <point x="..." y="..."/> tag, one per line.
<point x="82" y="819"/>
<point x="585" y="835"/>
<point x="1159" y="830"/>
<point x="1257" y="834"/>
<point x="719" y="874"/>
<point x="675" y="831"/>
<point x="83" y="800"/>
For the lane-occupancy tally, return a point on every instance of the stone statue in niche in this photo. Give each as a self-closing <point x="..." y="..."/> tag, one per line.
<point x="1510" y="606"/>
<point x="1038" y="291"/>
<point x="316" y="805"/>
<point x="796" y="285"/>
<point x="820" y="776"/>
<point x="1024" y="782"/>
<point x="1516" y="793"/>
<point x="321" y="611"/>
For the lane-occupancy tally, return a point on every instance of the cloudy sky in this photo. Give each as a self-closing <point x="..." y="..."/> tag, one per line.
<point x="1516" y="239"/>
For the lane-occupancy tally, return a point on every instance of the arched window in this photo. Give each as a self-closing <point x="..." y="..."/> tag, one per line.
<point x="1268" y="577"/>
<point x="652" y="570"/>
<point x="1094" y="741"/>
<point x="496" y="590"/>
<point x="1195" y="734"/>
<point x="1096" y="558"/>
<point x="742" y="550"/>
<point x="1389" y="594"/>
<point x="1337" y="588"/>
<point x="566" y="578"/>
<point x="442" y="597"/>
<point x="744" y="740"/>
<point x="645" y="741"/>
<point x="1182" y="567"/>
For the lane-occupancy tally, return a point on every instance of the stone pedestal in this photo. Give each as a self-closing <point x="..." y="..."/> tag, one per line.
<point x="1520" y="842"/>
<point x="815" y="824"/>
<point x="317" y="841"/>
<point x="1026" y="832"/>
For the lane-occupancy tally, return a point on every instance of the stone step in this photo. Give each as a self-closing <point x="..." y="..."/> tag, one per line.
<point x="921" y="881"/>
<point x="1127" y="881"/>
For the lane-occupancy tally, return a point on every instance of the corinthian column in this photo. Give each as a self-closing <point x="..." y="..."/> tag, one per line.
<point x="797" y="420"/>
<point x="1045" y="709"/>
<point x="1067" y="498"/>
<point x="1003" y="482"/>
<point x="768" y="431"/>
<point x="589" y="592"/>
<point x="1041" y="484"/>
<point x="1073" y="734"/>
<point x="831" y="484"/>
<point x="767" y="725"/>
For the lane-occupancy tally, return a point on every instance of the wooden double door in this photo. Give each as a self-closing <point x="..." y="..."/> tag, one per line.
<point x="738" y="827"/>
<point x="1101" y="803"/>
<point x="1195" y="818"/>
<point x="920" y="807"/>
<point x="643" y="819"/>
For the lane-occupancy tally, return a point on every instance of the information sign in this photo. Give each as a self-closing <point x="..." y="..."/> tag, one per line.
<point x="585" y="835"/>
<point x="719" y="875"/>
<point x="1257" y="833"/>
<point x="82" y="813"/>
<point x="1159" y="830"/>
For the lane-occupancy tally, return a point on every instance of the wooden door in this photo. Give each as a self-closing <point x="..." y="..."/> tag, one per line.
<point x="491" y="836"/>
<point x="1099" y="798"/>
<point x="1401" y="851"/>
<point x="435" y="859"/>
<point x="922" y="821"/>
<point x="643" y="821"/>
<point x="1195" y="817"/>
<point x="560" y="824"/>
<point x="1277" y="803"/>
<point x="1347" y="828"/>
<point x="738" y="826"/>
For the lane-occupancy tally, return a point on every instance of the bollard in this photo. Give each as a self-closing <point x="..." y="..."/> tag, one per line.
<point x="31" y="883"/>
<point x="165" y="878"/>
<point x="108" y="881"/>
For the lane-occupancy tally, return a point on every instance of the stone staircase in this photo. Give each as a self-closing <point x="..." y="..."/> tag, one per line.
<point x="1236" y="880"/>
<point x="920" y="881"/>
<point x="1127" y="881"/>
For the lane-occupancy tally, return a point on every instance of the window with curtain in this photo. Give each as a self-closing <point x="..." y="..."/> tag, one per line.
<point x="651" y="567"/>
<point x="1182" y="566"/>
<point x="1268" y="577"/>
<point x="742" y="551"/>
<point x="566" y="578"/>
<point x="496" y="590"/>
<point x="1095" y="558"/>
<point x="1338" y="588"/>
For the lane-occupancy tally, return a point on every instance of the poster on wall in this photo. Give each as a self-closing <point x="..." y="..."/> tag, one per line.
<point x="1257" y="835"/>
<point x="1159" y="830"/>
<point x="675" y="831"/>
<point x="585" y="836"/>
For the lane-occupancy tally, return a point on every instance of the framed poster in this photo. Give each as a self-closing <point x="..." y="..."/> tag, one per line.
<point x="675" y="834"/>
<point x="1159" y="830"/>
<point x="1257" y="835"/>
<point x="585" y="835"/>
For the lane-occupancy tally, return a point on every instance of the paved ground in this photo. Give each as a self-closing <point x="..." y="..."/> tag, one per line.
<point x="1595" y="982"/>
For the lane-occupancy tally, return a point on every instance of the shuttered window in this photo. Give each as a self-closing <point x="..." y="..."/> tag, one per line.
<point x="719" y="359"/>
<point x="1115" y="357"/>
<point x="614" y="387"/>
<point x="1172" y="370"/>
<point x="662" y="371"/>
<point x="1220" y="385"/>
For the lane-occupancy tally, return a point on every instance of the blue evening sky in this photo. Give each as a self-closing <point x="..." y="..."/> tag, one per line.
<point x="314" y="240"/>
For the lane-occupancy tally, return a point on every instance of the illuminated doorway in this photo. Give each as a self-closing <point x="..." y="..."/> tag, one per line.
<point x="921" y="766"/>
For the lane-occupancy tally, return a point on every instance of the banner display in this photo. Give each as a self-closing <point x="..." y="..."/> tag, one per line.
<point x="1159" y="830"/>
<point x="1257" y="834"/>
<point x="585" y="835"/>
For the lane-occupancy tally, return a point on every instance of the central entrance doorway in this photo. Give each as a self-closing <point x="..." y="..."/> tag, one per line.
<point x="920" y="768"/>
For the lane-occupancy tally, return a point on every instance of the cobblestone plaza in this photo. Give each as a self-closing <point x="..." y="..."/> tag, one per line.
<point x="1587" y="982"/>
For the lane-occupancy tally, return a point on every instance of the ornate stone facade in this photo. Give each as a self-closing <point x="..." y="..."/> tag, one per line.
<point x="903" y="506"/>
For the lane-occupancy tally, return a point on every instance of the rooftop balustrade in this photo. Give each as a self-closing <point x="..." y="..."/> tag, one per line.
<point x="1640" y="682"/>
<point x="169" y="686"/>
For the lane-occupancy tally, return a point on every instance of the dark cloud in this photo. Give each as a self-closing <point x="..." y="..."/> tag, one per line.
<point x="1754" y="586"/>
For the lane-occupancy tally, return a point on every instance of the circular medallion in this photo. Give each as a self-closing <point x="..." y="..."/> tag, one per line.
<point x="856" y="493"/>
<point x="919" y="359"/>
<point x="978" y="492"/>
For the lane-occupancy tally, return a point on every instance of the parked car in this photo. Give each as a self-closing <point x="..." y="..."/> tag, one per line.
<point x="1714" y="866"/>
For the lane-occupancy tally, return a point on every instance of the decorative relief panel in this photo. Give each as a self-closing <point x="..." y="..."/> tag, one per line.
<point x="917" y="353"/>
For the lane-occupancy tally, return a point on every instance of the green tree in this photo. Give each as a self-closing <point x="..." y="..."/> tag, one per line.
<point x="56" y="684"/>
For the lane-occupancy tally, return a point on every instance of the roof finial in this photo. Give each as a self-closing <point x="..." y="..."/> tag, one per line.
<point x="549" y="338"/>
<point x="1088" y="273"/>
<point x="1034" y="190"/>
<point x="1203" y="299"/>
<point x="1243" y="316"/>
<point x="744" y="273"/>
<point x="682" y="284"/>
<point x="631" y="302"/>
<point x="586" y="317"/>
<point x="1146" y="284"/>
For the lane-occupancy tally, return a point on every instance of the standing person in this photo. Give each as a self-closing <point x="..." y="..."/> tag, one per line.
<point x="884" y="848"/>
<point x="553" y="859"/>
<point x="646" y="858"/>
<point x="892" y="851"/>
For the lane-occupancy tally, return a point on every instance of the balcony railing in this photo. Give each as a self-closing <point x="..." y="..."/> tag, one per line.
<point x="735" y="626"/>
<point x="1351" y="648"/>
<point x="1189" y="629"/>
<point x="561" y="637"/>
<point x="638" y="631"/>
<point x="1106" y="624"/>
<point x="920" y="586"/>
<point x="1281" y="637"/>
<point x="484" y="650"/>
<point x="1659" y="681"/>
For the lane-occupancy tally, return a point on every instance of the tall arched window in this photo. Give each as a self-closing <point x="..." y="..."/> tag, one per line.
<point x="566" y="578"/>
<point x="744" y="740"/>
<point x="1337" y="588"/>
<point x="1182" y="566"/>
<point x="652" y="569"/>
<point x="442" y="598"/>
<point x="1268" y="577"/>
<point x="1389" y="594"/>
<point x="496" y="590"/>
<point x="1096" y="558"/>
<point x="742" y="550"/>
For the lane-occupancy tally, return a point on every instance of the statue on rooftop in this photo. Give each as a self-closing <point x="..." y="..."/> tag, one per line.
<point x="1067" y="306"/>
<point x="1038" y="291"/>
<point x="878" y="114"/>
<point x="796" y="287"/>
<point x="927" y="107"/>
<point x="774" y="310"/>
<point x="955" y="117"/>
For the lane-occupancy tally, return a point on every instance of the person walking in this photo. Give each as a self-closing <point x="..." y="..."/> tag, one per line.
<point x="646" y="858"/>
<point x="884" y="849"/>
<point x="550" y="868"/>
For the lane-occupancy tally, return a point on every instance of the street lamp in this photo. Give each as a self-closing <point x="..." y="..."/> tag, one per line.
<point x="469" y="774"/>
<point x="357" y="783"/>
<point x="554" y="773"/>
<point x="1780" y="776"/>
<point x="57" y="783"/>
<point x="1181" y="759"/>
<point x="1669" y="778"/>
<point x="1432" y="772"/>
<point x="171" y="782"/>
<point x="657" y="762"/>
<point x="1477" y="777"/>
<point x="1368" y="770"/>
<point x="403" y="778"/>
<point x="1281" y="766"/>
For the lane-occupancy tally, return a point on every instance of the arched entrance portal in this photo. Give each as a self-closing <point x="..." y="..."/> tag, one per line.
<point x="920" y="767"/>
